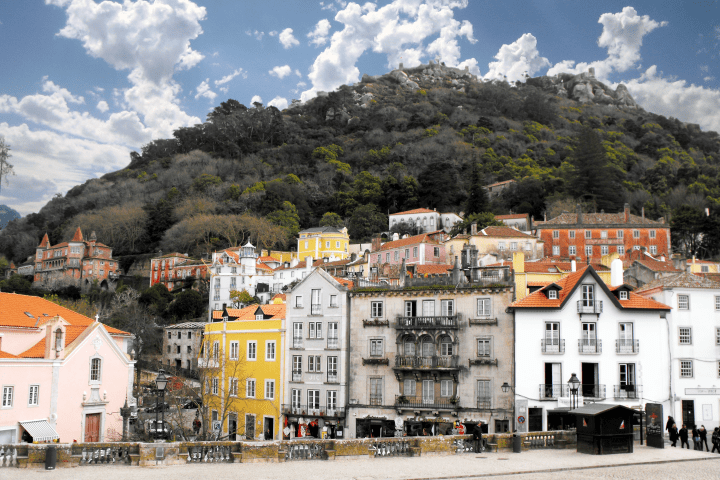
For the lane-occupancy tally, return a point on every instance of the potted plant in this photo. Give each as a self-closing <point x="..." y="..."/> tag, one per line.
<point x="454" y="400"/>
<point x="402" y="399"/>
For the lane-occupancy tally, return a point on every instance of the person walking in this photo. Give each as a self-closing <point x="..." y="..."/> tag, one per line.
<point x="669" y="424"/>
<point x="716" y="440"/>
<point x="477" y="438"/>
<point x="684" y="437"/>
<point x="703" y="438"/>
<point x="696" y="438"/>
<point x="673" y="435"/>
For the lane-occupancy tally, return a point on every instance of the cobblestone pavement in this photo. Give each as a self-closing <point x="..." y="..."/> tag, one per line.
<point x="645" y="463"/>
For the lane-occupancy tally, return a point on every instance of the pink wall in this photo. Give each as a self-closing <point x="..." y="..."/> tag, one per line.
<point x="428" y="259"/>
<point x="21" y="374"/>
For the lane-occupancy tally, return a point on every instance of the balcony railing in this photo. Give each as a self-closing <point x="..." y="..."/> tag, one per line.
<point x="297" y="376"/>
<point x="450" y="321"/>
<point x="315" y="309"/>
<point x="424" y="402"/>
<point x="484" y="403"/>
<point x="624" y="345"/>
<point x="333" y="342"/>
<point x="297" y="342"/>
<point x="590" y="345"/>
<point x="376" y="400"/>
<point x="315" y="411"/>
<point x="627" y="391"/>
<point x="554" y="345"/>
<point x="584" y="306"/>
<point x="332" y="377"/>
<point x="554" y="391"/>
<point x="435" y="361"/>
<point x="592" y="390"/>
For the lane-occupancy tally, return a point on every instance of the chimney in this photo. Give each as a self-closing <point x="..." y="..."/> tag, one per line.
<point x="616" y="273"/>
<point x="396" y="236"/>
<point x="376" y="244"/>
<point x="573" y="266"/>
<point x="473" y="228"/>
<point x="579" y="214"/>
<point x="643" y="213"/>
<point x="627" y="212"/>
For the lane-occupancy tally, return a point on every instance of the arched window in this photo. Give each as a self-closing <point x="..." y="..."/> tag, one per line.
<point x="446" y="346"/>
<point x="409" y="346"/>
<point x="427" y="347"/>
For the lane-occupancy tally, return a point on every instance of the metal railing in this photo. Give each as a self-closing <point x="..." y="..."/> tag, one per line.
<point x="590" y="345"/>
<point x="420" y="401"/>
<point x="592" y="390"/>
<point x="435" y="361"/>
<point x="314" y="410"/>
<point x="376" y="400"/>
<point x="553" y="391"/>
<point x="448" y="321"/>
<point x="627" y="391"/>
<point x="555" y="345"/>
<point x="625" y="345"/>
<point x="584" y="306"/>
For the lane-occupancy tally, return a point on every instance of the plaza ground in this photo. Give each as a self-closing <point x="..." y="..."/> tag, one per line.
<point x="644" y="463"/>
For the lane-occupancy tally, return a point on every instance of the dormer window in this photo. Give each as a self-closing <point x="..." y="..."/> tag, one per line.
<point x="552" y="294"/>
<point x="623" y="295"/>
<point x="58" y="340"/>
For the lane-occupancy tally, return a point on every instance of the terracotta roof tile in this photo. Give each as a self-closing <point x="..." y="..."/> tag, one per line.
<point x="45" y="242"/>
<point x="433" y="269"/>
<point x="414" y="211"/>
<point x="78" y="237"/>
<point x="599" y="219"/>
<point x="281" y="296"/>
<point x="344" y="282"/>
<point x="276" y="311"/>
<point x="403" y="242"/>
<point x="72" y="332"/>
<point x="504" y="232"/>
<point x="508" y="217"/>
<point x="7" y="355"/>
<point x="680" y="280"/>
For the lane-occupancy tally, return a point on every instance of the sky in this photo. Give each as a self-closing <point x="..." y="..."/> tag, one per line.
<point x="85" y="82"/>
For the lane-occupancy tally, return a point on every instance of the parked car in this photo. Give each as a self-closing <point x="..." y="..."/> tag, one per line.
<point x="192" y="404"/>
<point x="160" y="407"/>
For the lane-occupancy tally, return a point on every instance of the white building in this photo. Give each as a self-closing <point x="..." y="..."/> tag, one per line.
<point x="428" y="220"/>
<point x="290" y="272"/>
<point x="317" y="357"/>
<point x="614" y="340"/>
<point x="694" y="325"/>
<point x="237" y="270"/>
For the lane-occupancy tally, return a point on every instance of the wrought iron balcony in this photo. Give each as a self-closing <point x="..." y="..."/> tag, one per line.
<point x="420" y="401"/>
<point x="376" y="400"/>
<point x="592" y="390"/>
<point x="314" y="410"/>
<point x="590" y="346"/>
<point x="627" y="391"/>
<point x="554" y="391"/>
<point x="435" y="361"/>
<point x="629" y="346"/>
<point x="554" y="345"/>
<point x="333" y="342"/>
<point x="408" y="323"/>
<point x="584" y="306"/>
<point x="297" y="376"/>
<point x="484" y="403"/>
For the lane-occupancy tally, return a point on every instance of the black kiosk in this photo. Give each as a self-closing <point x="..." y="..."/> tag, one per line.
<point x="604" y="429"/>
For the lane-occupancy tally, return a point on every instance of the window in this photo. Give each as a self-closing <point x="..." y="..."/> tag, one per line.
<point x="315" y="302"/>
<point x="295" y="397"/>
<point x="528" y="246"/>
<point x="588" y="250"/>
<point x="686" y="368"/>
<point x="625" y="340"/>
<point x="552" y="294"/>
<point x="483" y="307"/>
<point x="297" y="335"/>
<point x="387" y="257"/>
<point x="501" y="246"/>
<point x="588" y="295"/>
<point x="337" y="244"/>
<point x="483" y="393"/>
<point x="652" y="233"/>
<point x="436" y="251"/>
<point x="604" y="250"/>
<point x="407" y="253"/>
<point x="636" y="233"/>
<point x="572" y="250"/>
<point x="409" y="387"/>
<point x="552" y="337"/>
<point x="703" y="268"/>
<point x="447" y="307"/>
<point x="298" y="301"/>
<point x="250" y="388"/>
<point x="252" y="350"/>
<point x="513" y="245"/>
<point x="168" y="349"/>
<point x="314" y="363"/>
<point x="484" y="347"/>
<point x="603" y="234"/>
<point x="270" y="350"/>
<point x="234" y="350"/>
<point x="396" y="255"/>
<point x="296" y="368"/>
<point x="627" y="375"/>
<point x="169" y="335"/>
<point x="269" y="389"/>
<point x="571" y="233"/>
<point x="7" y="398"/>
<point x="621" y="250"/>
<point x="446" y="346"/>
<point x="685" y="335"/>
<point x="233" y="387"/>
<point x="683" y="302"/>
<point x="717" y="302"/>
<point x="376" y="391"/>
<point x="327" y="244"/>
<point x="415" y="252"/>
<point x="33" y="396"/>
<point x="619" y="234"/>
<point x="588" y="234"/>
<point x="215" y="386"/>
<point x="332" y="335"/>
<point x="189" y="349"/>
<point x="178" y="349"/>
<point x="556" y="233"/>
<point x="623" y="295"/>
<point x="95" y="369"/>
<point x="446" y="388"/>
<point x="333" y="301"/>
<point x="653" y="249"/>
<point x="376" y="347"/>
<point x="556" y="250"/>
<point x="376" y="309"/>
<point x="313" y="399"/>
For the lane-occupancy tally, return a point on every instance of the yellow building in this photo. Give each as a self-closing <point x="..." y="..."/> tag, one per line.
<point x="502" y="242"/>
<point x="702" y="266"/>
<point x="278" y="255"/>
<point x="248" y="346"/>
<point x="323" y="242"/>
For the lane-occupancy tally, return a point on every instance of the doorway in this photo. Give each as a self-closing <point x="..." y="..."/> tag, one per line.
<point x="232" y="427"/>
<point x="589" y="380"/>
<point x="535" y="418"/>
<point x="553" y="380"/>
<point x="688" y="413"/>
<point x="249" y="426"/>
<point x="269" y="427"/>
<point x="92" y="427"/>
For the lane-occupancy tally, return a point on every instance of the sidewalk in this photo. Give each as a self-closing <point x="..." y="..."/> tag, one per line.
<point x="428" y="467"/>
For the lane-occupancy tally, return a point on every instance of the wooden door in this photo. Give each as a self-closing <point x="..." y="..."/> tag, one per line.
<point x="688" y="413"/>
<point x="250" y="426"/>
<point x="92" y="427"/>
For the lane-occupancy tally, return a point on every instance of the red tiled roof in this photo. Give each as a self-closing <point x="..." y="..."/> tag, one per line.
<point x="78" y="237"/>
<point x="504" y="232"/>
<point x="680" y="280"/>
<point x="45" y="242"/>
<point x="276" y="312"/>
<point x="7" y="355"/>
<point x="268" y="259"/>
<point x="403" y="242"/>
<point x="433" y="269"/>
<point x="72" y="332"/>
<point x="508" y="217"/>
<point x="599" y="219"/>
<point x="335" y="263"/>
<point x="344" y="282"/>
<point x="706" y="262"/>
<point x="538" y="284"/>
<point x="417" y="210"/>
<point x="281" y="296"/>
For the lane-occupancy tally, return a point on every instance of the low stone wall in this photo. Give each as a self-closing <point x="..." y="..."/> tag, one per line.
<point x="151" y="454"/>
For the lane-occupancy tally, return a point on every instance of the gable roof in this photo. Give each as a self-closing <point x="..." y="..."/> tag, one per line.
<point x="72" y="332"/>
<point x="273" y="311"/>
<point x="504" y="232"/>
<point x="45" y="242"/>
<point x="648" y="261"/>
<point x="78" y="237"/>
<point x="599" y="219"/>
<point x="414" y="211"/>
<point x="512" y="216"/>
<point x="680" y="280"/>
<point x="403" y="242"/>
<point x="570" y="283"/>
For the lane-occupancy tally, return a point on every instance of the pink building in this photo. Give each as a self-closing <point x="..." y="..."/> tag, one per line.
<point x="174" y="269"/>
<point x="424" y="249"/>
<point x="62" y="375"/>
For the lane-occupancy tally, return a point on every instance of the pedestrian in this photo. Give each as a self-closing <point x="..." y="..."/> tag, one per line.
<point x="674" y="435"/>
<point x="716" y="440"/>
<point x="684" y="437"/>
<point x="703" y="438"/>
<point x="696" y="438"/>
<point x="196" y="425"/>
<point x="669" y="424"/>
<point x="477" y="438"/>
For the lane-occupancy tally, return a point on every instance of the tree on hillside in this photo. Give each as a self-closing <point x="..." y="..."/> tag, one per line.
<point x="186" y="305"/>
<point x="287" y="218"/>
<point x="6" y="168"/>
<point x="478" y="199"/>
<point x="365" y="222"/>
<point x="331" y="219"/>
<point x="240" y="298"/>
<point x="155" y="299"/>
<point x="406" y="228"/>
<point x="483" y="219"/>
<point x="686" y="230"/>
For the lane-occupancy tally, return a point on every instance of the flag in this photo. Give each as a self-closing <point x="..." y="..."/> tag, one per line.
<point x="584" y="423"/>
<point x="622" y="425"/>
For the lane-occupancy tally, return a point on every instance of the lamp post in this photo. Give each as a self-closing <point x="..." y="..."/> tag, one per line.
<point x="517" y="439"/>
<point x="505" y="387"/>
<point x="574" y="385"/>
<point x="160" y="384"/>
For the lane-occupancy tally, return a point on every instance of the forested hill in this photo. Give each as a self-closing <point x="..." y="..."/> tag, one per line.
<point x="399" y="141"/>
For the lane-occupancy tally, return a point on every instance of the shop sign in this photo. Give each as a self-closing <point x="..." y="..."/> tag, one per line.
<point x="702" y="391"/>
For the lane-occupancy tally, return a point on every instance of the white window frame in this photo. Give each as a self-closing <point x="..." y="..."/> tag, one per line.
<point x="652" y="233"/>
<point x="233" y="386"/>
<point x="623" y="295"/>
<point x="588" y="233"/>
<point x="250" y="388"/>
<point x="251" y="355"/>
<point x="653" y="249"/>
<point x="215" y="386"/>
<point x="234" y="350"/>
<point x="621" y="250"/>
<point x="8" y="396"/>
<point x="571" y="234"/>
<point x="446" y="388"/>
<point x="717" y="303"/>
<point x="683" y="302"/>
<point x="556" y="234"/>
<point x="484" y="307"/>
<point x="409" y="387"/>
<point x="685" y="335"/>
<point x="98" y="379"/>
<point x="269" y="389"/>
<point x="686" y="366"/>
<point x="552" y="294"/>
<point x="34" y="395"/>
<point x="333" y="301"/>
<point x="636" y="233"/>
<point x="270" y="350"/>
<point x="556" y="250"/>
<point x="572" y="250"/>
<point x="588" y="250"/>
<point x="376" y="309"/>
<point x="604" y="249"/>
<point x="377" y="345"/>
<point x="447" y="308"/>
<point x="620" y="234"/>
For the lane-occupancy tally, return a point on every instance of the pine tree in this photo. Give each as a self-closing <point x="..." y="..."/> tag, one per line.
<point x="477" y="202"/>
<point x="595" y="180"/>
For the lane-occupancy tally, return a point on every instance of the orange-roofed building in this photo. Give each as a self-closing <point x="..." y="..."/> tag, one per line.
<point x="425" y="219"/>
<point x="178" y="270"/>
<point x="78" y="262"/>
<point x="612" y="339"/>
<point x="62" y="375"/>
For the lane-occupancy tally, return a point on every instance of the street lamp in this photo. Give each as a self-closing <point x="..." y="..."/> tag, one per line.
<point x="574" y="385"/>
<point x="517" y="439"/>
<point x="160" y="384"/>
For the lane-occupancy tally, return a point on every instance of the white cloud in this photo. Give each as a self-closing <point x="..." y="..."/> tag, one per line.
<point x="227" y="78"/>
<point x="708" y="79"/>
<point x="278" y="102"/>
<point x="257" y="34"/>
<point x="397" y="30"/>
<point x="334" y="6"/>
<point x="622" y="36"/>
<point x="281" y="72"/>
<point x="319" y="35"/>
<point x="103" y="106"/>
<point x="50" y="87"/>
<point x="517" y="58"/>
<point x="256" y="99"/>
<point x="669" y="97"/>
<point x="287" y="39"/>
<point x="273" y="33"/>
<point x="297" y="72"/>
<point x="203" y="90"/>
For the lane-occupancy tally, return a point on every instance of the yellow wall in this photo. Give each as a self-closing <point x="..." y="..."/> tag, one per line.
<point x="522" y="278"/>
<point x="317" y="245"/>
<point x="279" y="256"/>
<point x="697" y="267"/>
<point x="260" y="370"/>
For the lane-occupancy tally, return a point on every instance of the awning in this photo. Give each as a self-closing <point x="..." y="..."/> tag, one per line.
<point x="40" y="430"/>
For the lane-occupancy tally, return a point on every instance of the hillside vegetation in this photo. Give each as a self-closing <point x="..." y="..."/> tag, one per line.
<point x="384" y="145"/>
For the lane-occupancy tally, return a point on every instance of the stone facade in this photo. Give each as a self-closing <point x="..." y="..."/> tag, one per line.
<point x="181" y="344"/>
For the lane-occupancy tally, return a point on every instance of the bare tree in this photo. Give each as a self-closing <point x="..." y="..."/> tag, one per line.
<point x="6" y="169"/>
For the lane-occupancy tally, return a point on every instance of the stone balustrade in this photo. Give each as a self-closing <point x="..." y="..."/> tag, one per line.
<point x="93" y="455"/>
